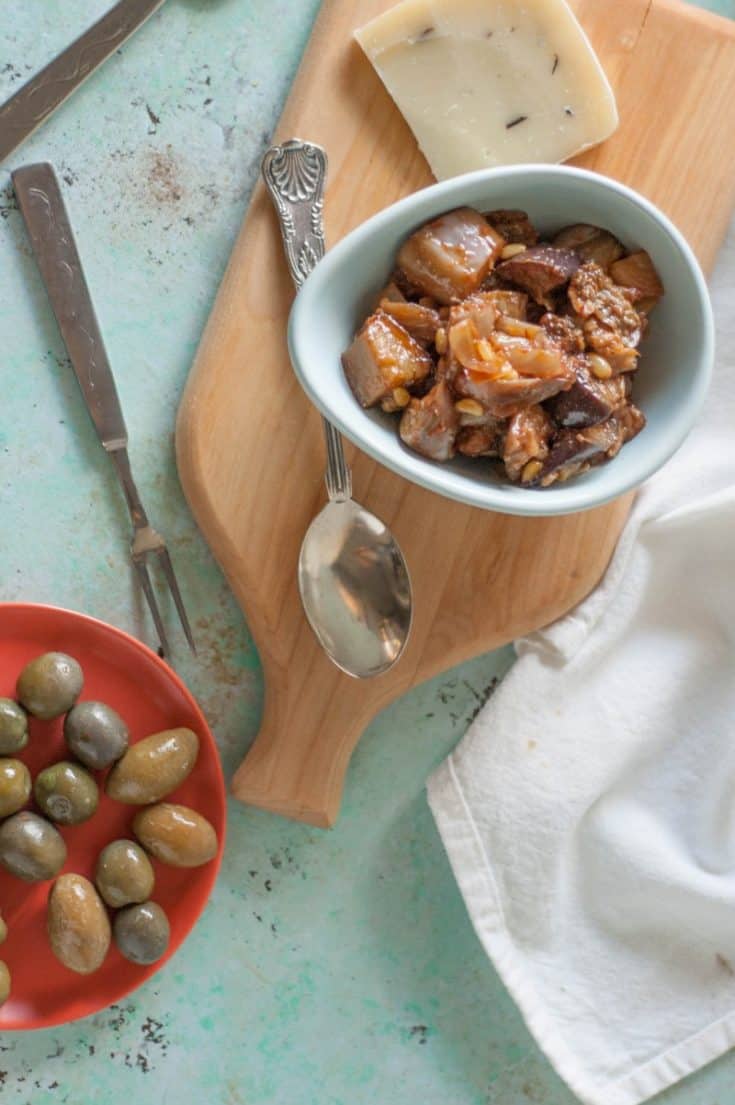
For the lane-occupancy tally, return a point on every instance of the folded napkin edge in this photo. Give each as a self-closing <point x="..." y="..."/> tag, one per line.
<point x="463" y="844"/>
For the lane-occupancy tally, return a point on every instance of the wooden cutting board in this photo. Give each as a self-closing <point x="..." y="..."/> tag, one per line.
<point x="250" y="448"/>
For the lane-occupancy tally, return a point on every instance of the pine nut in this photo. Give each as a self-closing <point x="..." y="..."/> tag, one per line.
<point x="511" y="250"/>
<point x="485" y="349"/>
<point x="599" y="367"/>
<point x="469" y="406"/>
<point x="531" y="470"/>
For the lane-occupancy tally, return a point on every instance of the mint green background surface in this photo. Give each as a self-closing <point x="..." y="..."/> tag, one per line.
<point x="329" y="968"/>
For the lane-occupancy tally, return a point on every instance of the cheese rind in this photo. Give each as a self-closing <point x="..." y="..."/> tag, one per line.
<point x="491" y="82"/>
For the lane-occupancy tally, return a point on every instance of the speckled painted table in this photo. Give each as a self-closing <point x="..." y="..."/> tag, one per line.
<point x="328" y="969"/>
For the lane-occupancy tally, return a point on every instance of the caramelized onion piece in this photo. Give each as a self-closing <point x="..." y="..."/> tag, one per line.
<point x="420" y="322"/>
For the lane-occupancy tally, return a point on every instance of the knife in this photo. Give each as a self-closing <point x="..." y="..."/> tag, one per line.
<point x="33" y="103"/>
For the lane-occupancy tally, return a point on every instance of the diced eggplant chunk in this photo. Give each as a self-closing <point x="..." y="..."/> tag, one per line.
<point x="573" y="451"/>
<point x="513" y="226"/>
<point x="563" y="332"/>
<point x="383" y="357"/>
<point x="610" y="436"/>
<point x="609" y="343"/>
<point x="503" y="397"/>
<point x="592" y="243"/>
<point x="638" y="271"/>
<point x="540" y="270"/>
<point x="589" y="400"/>
<point x="430" y="425"/>
<point x="593" y="294"/>
<point x="527" y="439"/>
<point x="420" y="322"/>
<point x="612" y="326"/>
<point x="450" y="257"/>
<point x="481" y="441"/>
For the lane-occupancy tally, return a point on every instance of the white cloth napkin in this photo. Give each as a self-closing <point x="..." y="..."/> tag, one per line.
<point x="589" y="813"/>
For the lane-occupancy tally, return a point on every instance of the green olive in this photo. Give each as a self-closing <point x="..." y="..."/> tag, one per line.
<point x="4" y="982"/>
<point x="142" y="932"/>
<point x="30" y="847"/>
<point x="66" y="793"/>
<point x="13" y="727"/>
<point x="96" y="734"/>
<point x="124" y="874"/>
<point x="50" y="685"/>
<point x="153" y="767"/>
<point x="176" y="835"/>
<point x="3" y="930"/>
<point x="78" y="925"/>
<point x="15" y="786"/>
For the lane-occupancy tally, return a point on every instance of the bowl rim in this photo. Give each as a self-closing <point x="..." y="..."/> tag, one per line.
<point x="509" y="499"/>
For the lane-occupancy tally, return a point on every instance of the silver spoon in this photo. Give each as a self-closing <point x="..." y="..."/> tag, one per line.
<point x="353" y="578"/>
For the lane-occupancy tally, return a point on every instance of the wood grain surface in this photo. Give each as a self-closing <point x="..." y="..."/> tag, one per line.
<point x="249" y="446"/>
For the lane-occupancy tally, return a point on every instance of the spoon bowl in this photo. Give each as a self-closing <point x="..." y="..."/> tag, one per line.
<point x="355" y="589"/>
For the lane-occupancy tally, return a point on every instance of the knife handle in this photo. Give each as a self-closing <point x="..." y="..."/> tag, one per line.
<point x="42" y="207"/>
<point x="39" y="96"/>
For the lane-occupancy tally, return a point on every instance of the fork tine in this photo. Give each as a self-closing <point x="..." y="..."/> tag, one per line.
<point x="145" y="582"/>
<point x="168" y="571"/>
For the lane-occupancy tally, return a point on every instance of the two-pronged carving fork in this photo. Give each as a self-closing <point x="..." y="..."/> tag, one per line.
<point x="43" y="210"/>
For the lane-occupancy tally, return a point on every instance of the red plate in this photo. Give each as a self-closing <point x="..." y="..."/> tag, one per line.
<point x="129" y="677"/>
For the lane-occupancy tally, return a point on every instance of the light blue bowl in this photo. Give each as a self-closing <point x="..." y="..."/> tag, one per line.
<point x="677" y="351"/>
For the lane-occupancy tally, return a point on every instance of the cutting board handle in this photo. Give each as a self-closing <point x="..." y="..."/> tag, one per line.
<point x="297" y="765"/>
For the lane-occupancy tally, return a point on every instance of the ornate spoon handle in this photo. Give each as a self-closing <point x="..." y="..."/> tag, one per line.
<point x="294" y="174"/>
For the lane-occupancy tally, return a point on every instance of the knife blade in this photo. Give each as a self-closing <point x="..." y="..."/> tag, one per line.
<point x="42" y="207"/>
<point x="32" y="104"/>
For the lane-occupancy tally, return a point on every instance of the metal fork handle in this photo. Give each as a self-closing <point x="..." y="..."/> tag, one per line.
<point x="121" y="461"/>
<point x="52" y="239"/>
<point x="295" y="173"/>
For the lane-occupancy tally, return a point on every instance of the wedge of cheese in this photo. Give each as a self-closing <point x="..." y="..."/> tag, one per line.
<point x="491" y="82"/>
